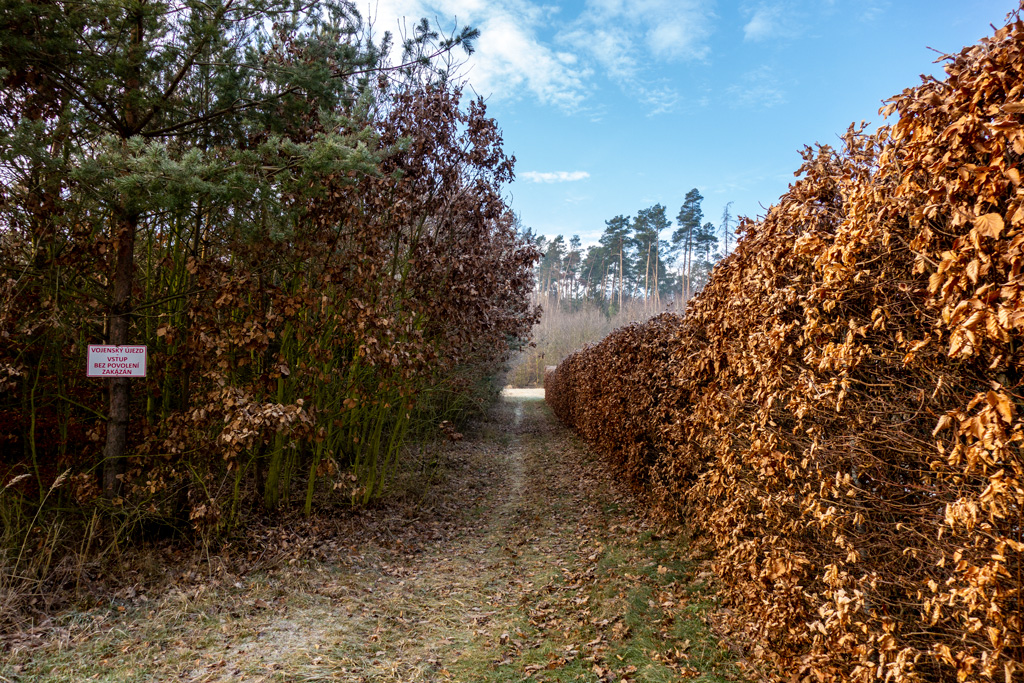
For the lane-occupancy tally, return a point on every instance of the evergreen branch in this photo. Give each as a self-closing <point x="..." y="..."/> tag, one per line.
<point x="185" y="66"/>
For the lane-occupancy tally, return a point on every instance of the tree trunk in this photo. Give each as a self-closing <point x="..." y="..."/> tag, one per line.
<point x="621" y="274"/>
<point x="120" y="387"/>
<point x="657" y="294"/>
<point x="124" y="277"/>
<point x="688" y="262"/>
<point x="647" y="273"/>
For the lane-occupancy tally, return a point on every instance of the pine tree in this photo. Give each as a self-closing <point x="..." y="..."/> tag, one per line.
<point x="551" y="267"/>
<point x="205" y="113"/>
<point x="647" y="228"/>
<point x="593" y="271"/>
<point x="704" y="242"/>
<point x="572" y="263"/>
<point x="616" y="239"/>
<point x="689" y="220"/>
<point x="726" y="227"/>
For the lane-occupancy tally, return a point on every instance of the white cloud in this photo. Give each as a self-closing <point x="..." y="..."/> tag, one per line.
<point x="757" y="96"/>
<point x="613" y="51"/>
<point x="661" y="99"/>
<point x="511" y="60"/>
<point x="621" y="37"/>
<point x="873" y="10"/>
<point x="618" y="33"/>
<point x="762" y="25"/>
<point x="517" y="58"/>
<point x="555" y="177"/>
<point x="680" y="37"/>
<point x="770" y="21"/>
<point x="757" y="89"/>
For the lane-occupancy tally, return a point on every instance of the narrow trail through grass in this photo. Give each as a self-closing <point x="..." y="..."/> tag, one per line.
<point x="524" y="560"/>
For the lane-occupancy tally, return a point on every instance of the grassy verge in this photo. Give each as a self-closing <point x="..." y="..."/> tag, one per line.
<point x="627" y="605"/>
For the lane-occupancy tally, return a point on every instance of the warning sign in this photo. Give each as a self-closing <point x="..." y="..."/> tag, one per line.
<point x="115" y="361"/>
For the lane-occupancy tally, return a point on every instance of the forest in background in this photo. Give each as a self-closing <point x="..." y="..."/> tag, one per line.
<point x="302" y="221"/>
<point x="630" y="275"/>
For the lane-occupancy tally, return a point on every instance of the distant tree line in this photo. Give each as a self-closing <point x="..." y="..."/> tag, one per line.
<point x="642" y="258"/>
<point x="641" y="266"/>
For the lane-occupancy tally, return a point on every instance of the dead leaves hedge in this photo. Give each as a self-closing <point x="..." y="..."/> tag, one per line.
<point x="839" y="411"/>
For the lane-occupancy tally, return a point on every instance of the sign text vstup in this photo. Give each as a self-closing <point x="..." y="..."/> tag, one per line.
<point x="116" y="361"/>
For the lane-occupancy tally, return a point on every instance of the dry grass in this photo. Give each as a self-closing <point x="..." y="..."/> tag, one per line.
<point x="561" y="332"/>
<point x="521" y="559"/>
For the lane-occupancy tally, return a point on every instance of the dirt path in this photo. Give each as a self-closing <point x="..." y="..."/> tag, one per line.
<point x="523" y="560"/>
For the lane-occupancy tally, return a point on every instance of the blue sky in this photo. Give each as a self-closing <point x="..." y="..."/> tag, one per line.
<point x="611" y="106"/>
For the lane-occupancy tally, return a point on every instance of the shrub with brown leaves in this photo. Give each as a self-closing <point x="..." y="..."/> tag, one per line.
<point x="839" y="410"/>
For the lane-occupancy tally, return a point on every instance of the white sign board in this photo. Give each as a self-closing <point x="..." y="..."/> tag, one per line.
<point x="115" y="361"/>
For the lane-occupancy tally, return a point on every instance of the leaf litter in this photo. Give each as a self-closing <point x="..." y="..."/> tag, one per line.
<point x="512" y="555"/>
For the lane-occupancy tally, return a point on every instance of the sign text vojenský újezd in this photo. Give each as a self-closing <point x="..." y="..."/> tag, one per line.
<point x="115" y="361"/>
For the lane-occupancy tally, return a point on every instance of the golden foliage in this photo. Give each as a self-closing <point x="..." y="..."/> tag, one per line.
<point x="838" y="410"/>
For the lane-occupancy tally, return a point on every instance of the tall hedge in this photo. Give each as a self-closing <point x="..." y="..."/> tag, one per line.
<point x="839" y="411"/>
